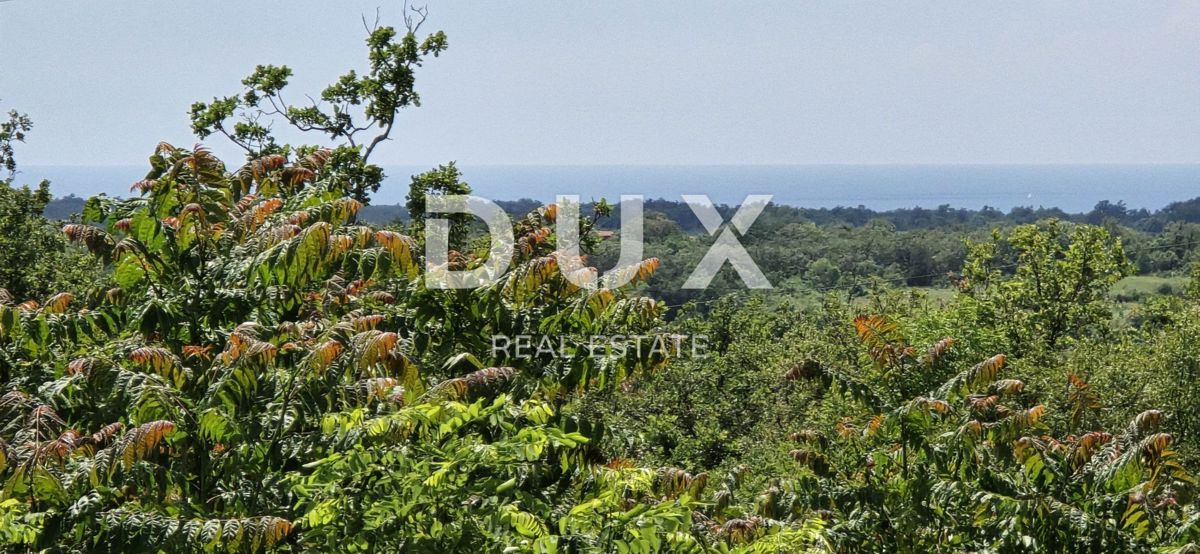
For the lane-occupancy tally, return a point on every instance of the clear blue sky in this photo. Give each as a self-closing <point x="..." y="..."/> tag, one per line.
<point x="643" y="82"/>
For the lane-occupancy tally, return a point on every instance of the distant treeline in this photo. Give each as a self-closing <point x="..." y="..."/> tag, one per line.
<point x="907" y="219"/>
<point x="1187" y="211"/>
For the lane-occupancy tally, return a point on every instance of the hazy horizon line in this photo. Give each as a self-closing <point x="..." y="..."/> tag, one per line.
<point x="797" y="164"/>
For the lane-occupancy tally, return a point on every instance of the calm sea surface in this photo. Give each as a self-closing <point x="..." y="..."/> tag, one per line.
<point x="1074" y="188"/>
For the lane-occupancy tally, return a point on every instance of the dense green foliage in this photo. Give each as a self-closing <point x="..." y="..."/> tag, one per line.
<point x="903" y="433"/>
<point x="261" y="356"/>
<point x="265" y="373"/>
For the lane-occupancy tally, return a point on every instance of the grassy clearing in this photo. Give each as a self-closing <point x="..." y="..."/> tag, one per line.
<point x="1141" y="286"/>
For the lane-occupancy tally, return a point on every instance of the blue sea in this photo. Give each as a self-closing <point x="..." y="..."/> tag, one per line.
<point x="1073" y="188"/>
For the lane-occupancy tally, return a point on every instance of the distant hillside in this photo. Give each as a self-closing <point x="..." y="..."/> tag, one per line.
<point x="64" y="208"/>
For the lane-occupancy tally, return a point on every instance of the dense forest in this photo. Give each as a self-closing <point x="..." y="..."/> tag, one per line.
<point x="234" y="359"/>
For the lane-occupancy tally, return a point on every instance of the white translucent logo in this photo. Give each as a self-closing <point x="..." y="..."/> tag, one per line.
<point x="727" y="247"/>
<point x="570" y="263"/>
<point x="437" y="242"/>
